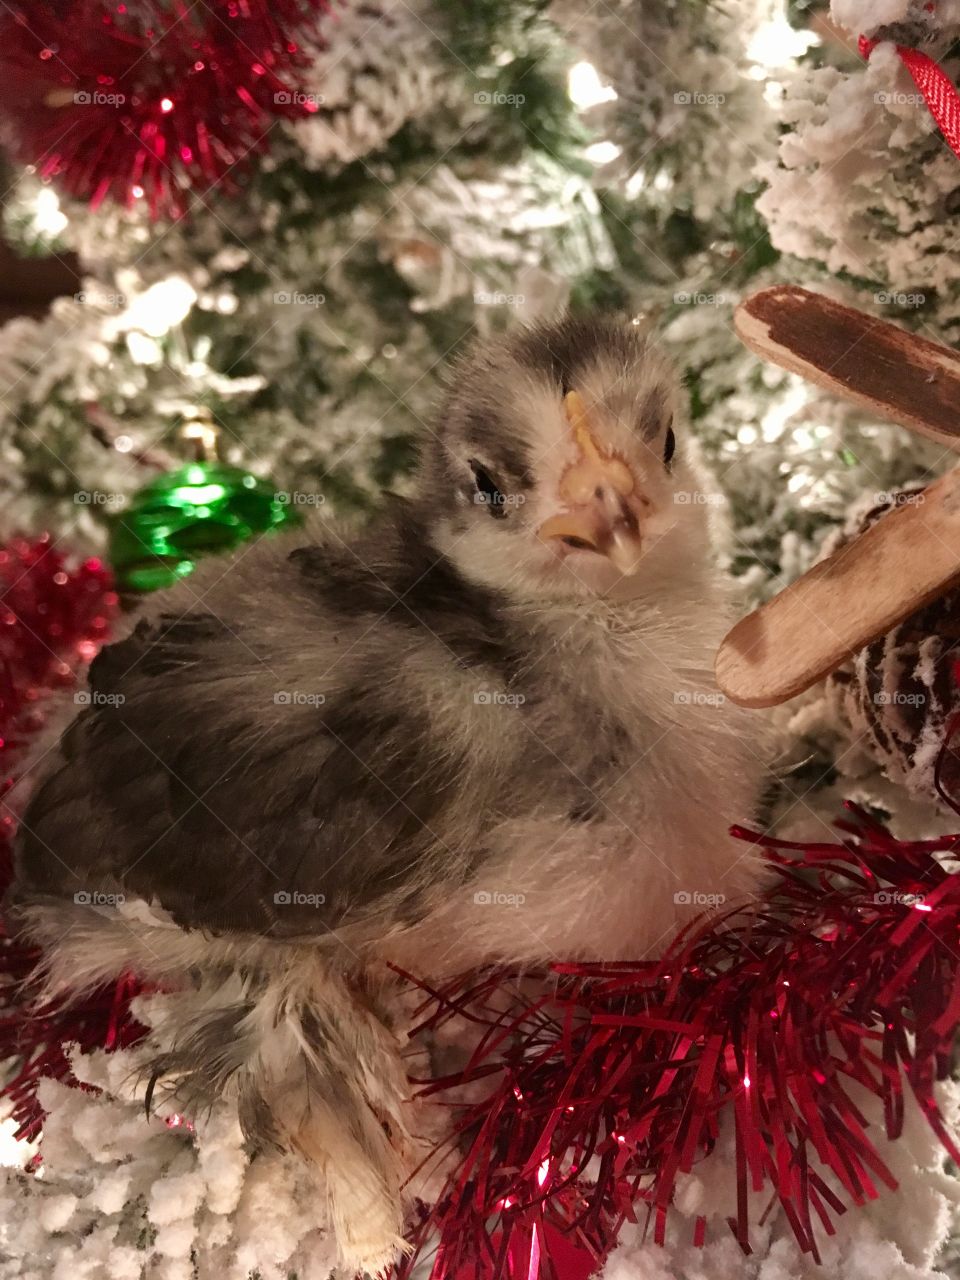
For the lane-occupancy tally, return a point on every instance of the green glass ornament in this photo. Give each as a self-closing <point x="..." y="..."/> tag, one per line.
<point x="204" y="508"/>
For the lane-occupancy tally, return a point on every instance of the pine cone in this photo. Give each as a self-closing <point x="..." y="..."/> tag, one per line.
<point x="897" y="696"/>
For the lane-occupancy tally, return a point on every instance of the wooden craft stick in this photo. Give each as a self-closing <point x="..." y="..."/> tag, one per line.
<point x="884" y="368"/>
<point x="908" y="558"/>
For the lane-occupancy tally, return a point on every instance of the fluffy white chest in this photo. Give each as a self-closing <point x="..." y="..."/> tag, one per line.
<point x="643" y="767"/>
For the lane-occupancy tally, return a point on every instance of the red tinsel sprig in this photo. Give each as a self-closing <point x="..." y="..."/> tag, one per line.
<point x="769" y="1021"/>
<point x="40" y="1039"/>
<point x="54" y="616"/>
<point x="151" y="100"/>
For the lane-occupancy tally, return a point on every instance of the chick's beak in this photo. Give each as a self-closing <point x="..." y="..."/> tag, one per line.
<point x="601" y="499"/>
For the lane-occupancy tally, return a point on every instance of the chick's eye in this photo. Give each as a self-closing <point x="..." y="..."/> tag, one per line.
<point x="669" y="446"/>
<point x="488" y="494"/>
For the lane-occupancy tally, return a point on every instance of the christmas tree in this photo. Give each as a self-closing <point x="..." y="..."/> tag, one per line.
<point x="264" y="229"/>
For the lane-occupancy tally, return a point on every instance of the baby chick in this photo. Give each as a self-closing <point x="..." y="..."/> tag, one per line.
<point x="484" y="730"/>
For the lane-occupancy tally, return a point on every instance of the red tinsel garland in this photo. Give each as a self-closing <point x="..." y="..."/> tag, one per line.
<point x="767" y="1021"/>
<point x="53" y="619"/>
<point x="149" y="101"/>
<point x="54" y="616"/>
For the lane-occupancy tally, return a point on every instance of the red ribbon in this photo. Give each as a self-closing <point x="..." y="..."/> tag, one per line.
<point x="939" y="91"/>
